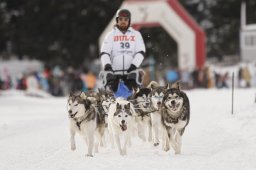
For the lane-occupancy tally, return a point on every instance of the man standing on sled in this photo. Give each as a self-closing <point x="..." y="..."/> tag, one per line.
<point x="122" y="52"/>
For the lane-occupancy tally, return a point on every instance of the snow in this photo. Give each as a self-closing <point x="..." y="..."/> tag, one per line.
<point x="34" y="134"/>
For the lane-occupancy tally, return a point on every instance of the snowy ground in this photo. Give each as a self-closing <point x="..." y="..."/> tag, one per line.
<point x="34" y="135"/>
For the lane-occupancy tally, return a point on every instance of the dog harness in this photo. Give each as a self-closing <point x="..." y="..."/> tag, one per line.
<point x="87" y="117"/>
<point x="173" y="118"/>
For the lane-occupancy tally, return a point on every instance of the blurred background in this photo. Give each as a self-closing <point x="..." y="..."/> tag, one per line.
<point x="53" y="46"/>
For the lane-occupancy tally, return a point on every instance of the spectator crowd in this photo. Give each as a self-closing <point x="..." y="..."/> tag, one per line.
<point x="59" y="82"/>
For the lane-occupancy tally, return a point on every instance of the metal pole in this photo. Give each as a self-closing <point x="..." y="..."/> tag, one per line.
<point x="232" y="109"/>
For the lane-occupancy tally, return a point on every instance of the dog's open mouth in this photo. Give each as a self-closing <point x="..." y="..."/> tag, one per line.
<point x="73" y="115"/>
<point x="174" y="107"/>
<point x="123" y="127"/>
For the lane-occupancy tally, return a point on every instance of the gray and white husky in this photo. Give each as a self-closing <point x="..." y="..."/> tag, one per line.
<point x="105" y="99"/>
<point x="120" y="123"/>
<point x="175" y="116"/>
<point x="156" y="96"/>
<point x="85" y="121"/>
<point x="142" y="105"/>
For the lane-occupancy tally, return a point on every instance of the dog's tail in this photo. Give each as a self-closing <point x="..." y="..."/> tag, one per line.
<point x="153" y="84"/>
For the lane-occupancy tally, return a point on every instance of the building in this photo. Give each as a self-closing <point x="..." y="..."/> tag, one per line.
<point x="247" y="37"/>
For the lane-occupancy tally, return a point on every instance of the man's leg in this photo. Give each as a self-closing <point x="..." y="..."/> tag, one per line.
<point x="130" y="83"/>
<point x="113" y="84"/>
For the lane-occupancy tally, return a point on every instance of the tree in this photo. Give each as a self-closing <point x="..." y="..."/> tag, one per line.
<point x="221" y="21"/>
<point x="57" y="31"/>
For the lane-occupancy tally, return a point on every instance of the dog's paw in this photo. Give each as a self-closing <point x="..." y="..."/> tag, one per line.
<point x="123" y="153"/>
<point x="73" y="147"/>
<point x="166" y="148"/>
<point x="156" y="144"/>
<point x="177" y="152"/>
<point x="88" y="155"/>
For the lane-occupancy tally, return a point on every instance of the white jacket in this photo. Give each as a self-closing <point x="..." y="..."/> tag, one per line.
<point x="122" y="49"/>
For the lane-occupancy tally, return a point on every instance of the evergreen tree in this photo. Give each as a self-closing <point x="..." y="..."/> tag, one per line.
<point x="58" y="31"/>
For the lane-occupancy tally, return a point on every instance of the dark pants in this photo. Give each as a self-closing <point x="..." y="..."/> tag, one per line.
<point x="113" y="83"/>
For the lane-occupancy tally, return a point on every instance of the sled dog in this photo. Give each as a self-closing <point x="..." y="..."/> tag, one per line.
<point x="120" y="123"/>
<point x="175" y="116"/>
<point x="156" y="96"/>
<point x="84" y="120"/>
<point x="141" y="101"/>
<point x="105" y="99"/>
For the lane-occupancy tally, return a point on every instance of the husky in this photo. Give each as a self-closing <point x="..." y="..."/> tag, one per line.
<point x="105" y="99"/>
<point x="84" y="120"/>
<point x="141" y="101"/>
<point x="156" y="96"/>
<point x="120" y="122"/>
<point x="94" y="97"/>
<point x="175" y="116"/>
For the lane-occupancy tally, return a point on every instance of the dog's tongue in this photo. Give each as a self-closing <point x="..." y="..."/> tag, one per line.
<point x="123" y="127"/>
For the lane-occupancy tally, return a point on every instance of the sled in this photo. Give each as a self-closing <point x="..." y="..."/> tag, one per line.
<point x="122" y="90"/>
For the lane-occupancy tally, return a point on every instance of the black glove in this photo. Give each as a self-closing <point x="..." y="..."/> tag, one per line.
<point x="131" y="68"/>
<point x="108" y="67"/>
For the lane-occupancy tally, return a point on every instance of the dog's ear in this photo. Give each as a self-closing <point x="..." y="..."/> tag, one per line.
<point x="176" y="85"/>
<point x="110" y="90"/>
<point x="83" y="95"/>
<point x="111" y="95"/>
<point x="71" y="97"/>
<point x="102" y="97"/>
<point x="167" y="86"/>
<point x="97" y="96"/>
<point x="166" y="93"/>
<point x="87" y="104"/>
<point x="75" y="93"/>
<point x="164" y="98"/>
<point x="138" y="90"/>
<point x="152" y="85"/>
<point x="135" y="90"/>
<point x="127" y="107"/>
<point x="165" y="90"/>
<point x="118" y="106"/>
<point x="112" y="99"/>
